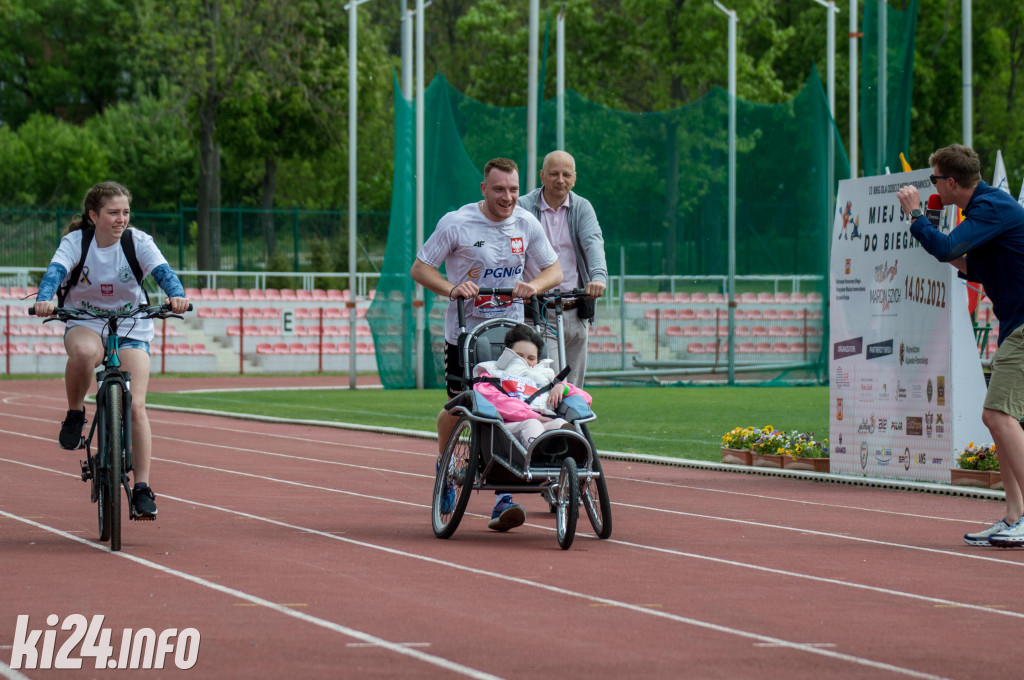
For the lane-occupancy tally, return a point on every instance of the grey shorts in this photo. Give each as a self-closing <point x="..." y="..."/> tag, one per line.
<point x="1006" y="383"/>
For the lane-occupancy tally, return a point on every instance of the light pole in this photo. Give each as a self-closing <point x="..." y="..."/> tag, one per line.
<point x="560" y="79"/>
<point x="855" y="35"/>
<point x="420" y="192"/>
<point x="967" y="69"/>
<point x="883" y="84"/>
<point x="352" y="151"/>
<point x="531" y="99"/>
<point x="830" y="49"/>
<point x="407" y="18"/>
<point x="733" y="20"/>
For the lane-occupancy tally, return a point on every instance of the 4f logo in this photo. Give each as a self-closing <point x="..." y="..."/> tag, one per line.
<point x="479" y="244"/>
<point x="517" y="245"/>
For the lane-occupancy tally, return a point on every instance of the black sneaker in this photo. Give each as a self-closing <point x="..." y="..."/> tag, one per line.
<point x="70" y="437"/>
<point x="144" y="502"/>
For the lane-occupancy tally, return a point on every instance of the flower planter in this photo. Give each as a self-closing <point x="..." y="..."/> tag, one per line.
<point x="769" y="460"/>
<point x="985" y="479"/>
<point x="737" y="456"/>
<point x="805" y="463"/>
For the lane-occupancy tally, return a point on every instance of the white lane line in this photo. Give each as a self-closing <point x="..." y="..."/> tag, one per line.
<point x="935" y="601"/>
<point x="444" y="663"/>
<point x="234" y="430"/>
<point x="11" y="674"/>
<point x="827" y="534"/>
<point x="398" y="648"/>
<point x="745" y="494"/>
<point x="951" y="553"/>
<point x="305" y="459"/>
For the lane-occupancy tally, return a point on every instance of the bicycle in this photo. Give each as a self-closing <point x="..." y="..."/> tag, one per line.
<point x="112" y="424"/>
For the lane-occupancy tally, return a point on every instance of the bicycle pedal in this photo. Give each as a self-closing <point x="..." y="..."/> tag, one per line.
<point x="86" y="472"/>
<point x="138" y="518"/>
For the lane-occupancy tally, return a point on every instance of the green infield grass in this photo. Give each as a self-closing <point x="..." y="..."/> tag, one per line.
<point x="682" y="422"/>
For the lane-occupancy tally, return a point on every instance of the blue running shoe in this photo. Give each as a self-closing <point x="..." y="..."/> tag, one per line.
<point x="507" y="514"/>
<point x="448" y="500"/>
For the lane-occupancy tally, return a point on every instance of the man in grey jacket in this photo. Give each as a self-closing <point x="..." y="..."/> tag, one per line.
<point x="574" y="232"/>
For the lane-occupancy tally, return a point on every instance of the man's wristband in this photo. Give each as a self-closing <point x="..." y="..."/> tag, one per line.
<point x="450" y="293"/>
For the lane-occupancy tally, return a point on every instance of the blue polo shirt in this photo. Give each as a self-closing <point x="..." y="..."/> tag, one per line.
<point x="992" y="238"/>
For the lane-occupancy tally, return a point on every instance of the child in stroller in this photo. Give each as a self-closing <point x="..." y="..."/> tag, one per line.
<point x="511" y="384"/>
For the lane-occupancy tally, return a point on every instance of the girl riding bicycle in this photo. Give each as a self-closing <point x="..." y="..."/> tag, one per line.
<point x="106" y="281"/>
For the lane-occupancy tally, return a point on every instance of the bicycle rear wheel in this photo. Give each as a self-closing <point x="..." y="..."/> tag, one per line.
<point x="113" y="453"/>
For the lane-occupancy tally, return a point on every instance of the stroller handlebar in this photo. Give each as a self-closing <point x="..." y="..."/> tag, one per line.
<point x="538" y="299"/>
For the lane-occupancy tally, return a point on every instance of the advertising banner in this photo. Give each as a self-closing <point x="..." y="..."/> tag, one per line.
<point x="902" y="340"/>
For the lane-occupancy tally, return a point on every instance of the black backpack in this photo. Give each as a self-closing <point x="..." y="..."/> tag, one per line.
<point x="127" y="245"/>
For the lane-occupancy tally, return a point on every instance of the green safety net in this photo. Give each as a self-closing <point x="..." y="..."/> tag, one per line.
<point x="659" y="185"/>
<point x="885" y="124"/>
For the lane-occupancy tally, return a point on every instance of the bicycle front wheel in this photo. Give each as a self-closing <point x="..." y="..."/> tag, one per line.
<point x="112" y="478"/>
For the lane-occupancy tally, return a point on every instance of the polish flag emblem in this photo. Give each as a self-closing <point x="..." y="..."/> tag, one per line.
<point x="517" y="245"/>
<point x="106" y="289"/>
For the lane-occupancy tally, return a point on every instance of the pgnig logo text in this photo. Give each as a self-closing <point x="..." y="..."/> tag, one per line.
<point x="142" y="648"/>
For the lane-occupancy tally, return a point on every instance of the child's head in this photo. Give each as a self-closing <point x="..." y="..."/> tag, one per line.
<point x="525" y="342"/>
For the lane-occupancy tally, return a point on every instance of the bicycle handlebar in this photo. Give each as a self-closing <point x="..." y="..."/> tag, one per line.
<point x="144" y="311"/>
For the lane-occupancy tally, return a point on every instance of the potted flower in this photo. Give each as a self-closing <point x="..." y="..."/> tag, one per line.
<point x="769" y="447"/>
<point x="978" y="466"/>
<point x="804" y="452"/>
<point x="736" y="445"/>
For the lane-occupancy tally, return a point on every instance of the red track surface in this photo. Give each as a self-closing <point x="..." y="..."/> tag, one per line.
<point x="307" y="552"/>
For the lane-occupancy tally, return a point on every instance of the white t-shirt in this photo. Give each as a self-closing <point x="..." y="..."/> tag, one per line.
<point x="107" y="281"/>
<point x="491" y="254"/>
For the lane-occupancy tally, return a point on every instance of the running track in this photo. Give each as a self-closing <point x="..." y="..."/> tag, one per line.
<point x="306" y="552"/>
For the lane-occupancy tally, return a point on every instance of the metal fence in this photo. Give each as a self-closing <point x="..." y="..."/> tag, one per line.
<point x="248" y="239"/>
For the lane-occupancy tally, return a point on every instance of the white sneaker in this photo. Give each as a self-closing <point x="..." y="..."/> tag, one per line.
<point x="1010" y="537"/>
<point x="981" y="537"/>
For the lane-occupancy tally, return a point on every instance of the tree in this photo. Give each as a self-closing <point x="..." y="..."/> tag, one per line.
<point x="150" y="151"/>
<point x="212" y="52"/>
<point x="303" y="121"/>
<point x="63" y="161"/>
<point x="66" y="58"/>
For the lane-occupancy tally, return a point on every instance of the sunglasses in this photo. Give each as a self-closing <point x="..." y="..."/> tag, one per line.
<point x="935" y="178"/>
